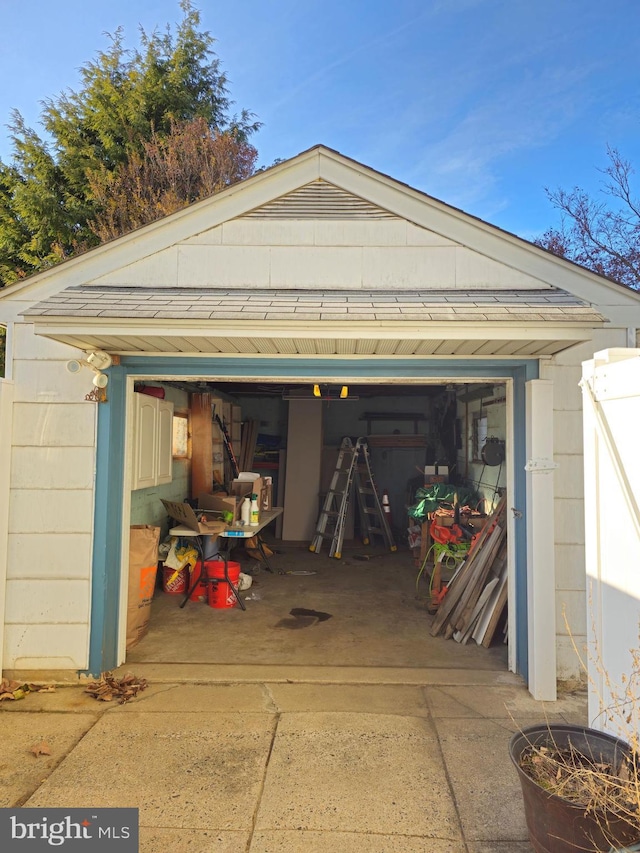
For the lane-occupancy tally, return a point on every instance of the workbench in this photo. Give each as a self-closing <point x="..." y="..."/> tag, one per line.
<point x="235" y="532"/>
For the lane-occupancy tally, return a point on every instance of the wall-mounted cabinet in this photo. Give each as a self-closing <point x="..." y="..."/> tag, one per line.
<point x="152" y="444"/>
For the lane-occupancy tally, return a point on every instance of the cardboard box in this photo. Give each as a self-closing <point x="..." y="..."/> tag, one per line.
<point x="220" y="503"/>
<point x="184" y="514"/>
<point x="242" y="488"/>
<point x="266" y="500"/>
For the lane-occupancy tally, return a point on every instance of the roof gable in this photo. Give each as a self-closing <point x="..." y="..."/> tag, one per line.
<point x="321" y="187"/>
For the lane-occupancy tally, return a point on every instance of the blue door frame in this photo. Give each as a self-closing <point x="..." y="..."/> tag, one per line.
<point x="105" y="598"/>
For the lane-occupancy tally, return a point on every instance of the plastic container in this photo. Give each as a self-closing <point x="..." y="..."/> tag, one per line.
<point x="245" y="510"/>
<point x="255" y="511"/>
<point x="200" y="590"/>
<point x="220" y="595"/>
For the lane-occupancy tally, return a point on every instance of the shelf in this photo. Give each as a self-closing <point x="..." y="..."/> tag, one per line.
<point x="397" y="440"/>
<point x="415" y="417"/>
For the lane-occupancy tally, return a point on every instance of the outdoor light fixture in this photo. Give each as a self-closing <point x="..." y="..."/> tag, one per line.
<point x="97" y="361"/>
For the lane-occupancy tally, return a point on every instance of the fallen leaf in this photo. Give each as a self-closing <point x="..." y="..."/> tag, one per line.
<point x="41" y="748"/>
<point x="13" y="689"/>
<point x="109" y="686"/>
<point x="51" y="688"/>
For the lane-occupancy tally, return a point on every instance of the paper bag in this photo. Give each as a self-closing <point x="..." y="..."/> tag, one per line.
<point x="143" y="564"/>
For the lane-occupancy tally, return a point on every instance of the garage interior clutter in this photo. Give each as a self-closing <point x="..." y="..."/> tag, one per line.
<point x="261" y="509"/>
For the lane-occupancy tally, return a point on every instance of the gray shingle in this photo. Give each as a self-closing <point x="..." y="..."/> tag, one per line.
<point x="220" y="303"/>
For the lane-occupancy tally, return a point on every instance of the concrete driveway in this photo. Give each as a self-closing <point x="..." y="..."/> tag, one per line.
<point x="271" y="760"/>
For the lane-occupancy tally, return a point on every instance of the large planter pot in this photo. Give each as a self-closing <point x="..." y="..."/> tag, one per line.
<point x="556" y="825"/>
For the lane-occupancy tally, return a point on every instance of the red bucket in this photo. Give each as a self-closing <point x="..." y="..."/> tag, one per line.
<point x="221" y="594"/>
<point x="175" y="582"/>
<point x="200" y="590"/>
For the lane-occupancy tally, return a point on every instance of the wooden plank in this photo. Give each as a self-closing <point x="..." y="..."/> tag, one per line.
<point x="397" y="440"/>
<point x="463" y="638"/>
<point x="486" y="616"/>
<point x="500" y="604"/>
<point x="457" y="587"/>
<point x="302" y="478"/>
<point x="201" y="445"/>
<point x="249" y="440"/>
<point x="474" y="588"/>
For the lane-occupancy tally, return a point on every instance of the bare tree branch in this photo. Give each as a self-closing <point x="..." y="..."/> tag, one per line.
<point x="595" y="234"/>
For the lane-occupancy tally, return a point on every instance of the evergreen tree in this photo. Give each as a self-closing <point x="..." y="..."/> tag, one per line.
<point x="53" y="199"/>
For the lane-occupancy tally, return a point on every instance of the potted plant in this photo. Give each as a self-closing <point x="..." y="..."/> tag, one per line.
<point x="581" y="786"/>
<point x="581" y="789"/>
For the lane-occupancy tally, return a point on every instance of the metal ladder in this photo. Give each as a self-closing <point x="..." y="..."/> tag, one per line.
<point x="350" y="471"/>
<point x="373" y="520"/>
<point x="333" y="514"/>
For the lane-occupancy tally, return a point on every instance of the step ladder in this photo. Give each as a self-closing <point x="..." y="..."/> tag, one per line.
<point x="352" y="469"/>
<point x="373" y="519"/>
<point x="333" y="514"/>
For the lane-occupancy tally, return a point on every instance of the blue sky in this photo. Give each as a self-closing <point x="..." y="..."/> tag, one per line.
<point x="481" y="103"/>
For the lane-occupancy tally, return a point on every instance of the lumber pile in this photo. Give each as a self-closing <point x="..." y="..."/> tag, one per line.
<point x="477" y="594"/>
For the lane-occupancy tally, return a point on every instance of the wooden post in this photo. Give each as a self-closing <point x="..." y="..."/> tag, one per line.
<point x="201" y="445"/>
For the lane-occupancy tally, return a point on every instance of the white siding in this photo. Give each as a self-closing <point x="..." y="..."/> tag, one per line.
<point x="51" y="509"/>
<point x="319" y="254"/>
<point x="6" y="405"/>
<point x="42" y="556"/>
<point x="47" y="647"/>
<point x="565" y="370"/>
<point x="45" y="425"/>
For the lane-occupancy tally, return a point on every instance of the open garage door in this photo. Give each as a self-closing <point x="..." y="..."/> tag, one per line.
<point x="373" y="603"/>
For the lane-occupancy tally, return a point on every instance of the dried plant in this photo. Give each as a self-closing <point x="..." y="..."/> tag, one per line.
<point x="607" y="791"/>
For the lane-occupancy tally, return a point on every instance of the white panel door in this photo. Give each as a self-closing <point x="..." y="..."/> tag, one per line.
<point x="165" y="442"/>
<point x="145" y="448"/>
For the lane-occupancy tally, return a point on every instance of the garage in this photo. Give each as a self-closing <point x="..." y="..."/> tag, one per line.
<point x="446" y="334"/>
<point x="371" y="592"/>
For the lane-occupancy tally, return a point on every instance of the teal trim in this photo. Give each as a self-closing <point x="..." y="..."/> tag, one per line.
<point x="110" y="460"/>
<point x="107" y="538"/>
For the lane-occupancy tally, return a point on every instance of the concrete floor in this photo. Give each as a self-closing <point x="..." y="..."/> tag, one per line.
<point x="377" y="620"/>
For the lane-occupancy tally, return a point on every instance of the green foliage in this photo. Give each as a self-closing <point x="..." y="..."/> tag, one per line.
<point x="127" y="98"/>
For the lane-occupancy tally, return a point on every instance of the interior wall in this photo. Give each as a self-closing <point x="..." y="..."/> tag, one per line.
<point x="486" y="479"/>
<point x="393" y="468"/>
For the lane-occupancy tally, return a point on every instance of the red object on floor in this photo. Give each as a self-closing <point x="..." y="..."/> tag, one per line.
<point x="175" y="582"/>
<point x="200" y="590"/>
<point x="220" y="594"/>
